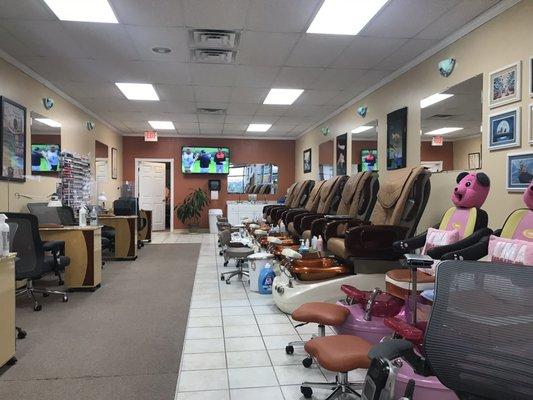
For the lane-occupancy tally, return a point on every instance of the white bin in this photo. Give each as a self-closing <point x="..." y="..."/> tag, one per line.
<point x="257" y="262"/>
<point x="213" y="214"/>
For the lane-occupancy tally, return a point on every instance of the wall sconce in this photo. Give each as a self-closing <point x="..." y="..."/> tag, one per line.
<point x="48" y="103"/>
<point x="362" y="111"/>
<point x="446" y="67"/>
<point x="90" y="125"/>
<point x="325" y="131"/>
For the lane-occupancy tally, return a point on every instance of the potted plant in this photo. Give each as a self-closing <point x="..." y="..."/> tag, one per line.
<point x="190" y="210"/>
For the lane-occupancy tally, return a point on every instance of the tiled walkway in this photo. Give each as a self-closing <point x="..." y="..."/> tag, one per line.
<point x="235" y="340"/>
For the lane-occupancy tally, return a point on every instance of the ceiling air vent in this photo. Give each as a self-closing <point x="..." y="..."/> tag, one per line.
<point x="441" y="116"/>
<point x="211" y="111"/>
<point x="208" y="38"/>
<point x="216" y="56"/>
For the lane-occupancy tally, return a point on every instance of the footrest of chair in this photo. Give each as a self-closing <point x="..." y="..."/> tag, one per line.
<point x="321" y="313"/>
<point x="405" y="330"/>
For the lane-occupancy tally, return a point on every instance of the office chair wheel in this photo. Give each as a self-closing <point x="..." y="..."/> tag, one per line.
<point x="289" y="349"/>
<point x="46" y="294"/>
<point x="37" y="307"/>
<point x="306" y="391"/>
<point x="65" y="298"/>
<point x="307" y="362"/>
<point x="228" y="282"/>
<point x="226" y="263"/>
<point x="221" y="277"/>
<point x="220" y="253"/>
<point x="21" y="334"/>
<point x="12" y="361"/>
<point x="61" y="282"/>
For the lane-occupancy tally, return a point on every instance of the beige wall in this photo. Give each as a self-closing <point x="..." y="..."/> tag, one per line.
<point x="461" y="149"/>
<point x="24" y="90"/>
<point x="501" y="41"/>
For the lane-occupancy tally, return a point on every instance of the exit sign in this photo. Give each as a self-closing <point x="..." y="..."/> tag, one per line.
<point x="437" y="141"/>
<point x="150" y="136"/>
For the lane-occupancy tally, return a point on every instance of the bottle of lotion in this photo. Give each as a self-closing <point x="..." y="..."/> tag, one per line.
<point x="4" y="236"/>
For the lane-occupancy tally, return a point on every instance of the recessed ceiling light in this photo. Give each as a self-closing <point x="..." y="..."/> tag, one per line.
<point x="49" y="122"/>
<point x="363" y="128"/>
<point x="282" y="96"/>
<point x="442" y="131"/>
<point x="258" y="127"/>
<point x="161" y="50"/>
<point x="169" y="125"/>
<point x="434" y="98"/>
<point x="83" y="10"/>
<point x="138" y="91"/>
<point x="344" y="17"/>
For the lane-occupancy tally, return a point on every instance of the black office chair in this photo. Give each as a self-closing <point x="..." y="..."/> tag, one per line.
<point x="130" y="206"/>
<point x="35" y="258"/>
<point x="21" y="333"/>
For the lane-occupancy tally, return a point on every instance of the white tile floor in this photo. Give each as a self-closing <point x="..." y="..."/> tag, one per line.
<point x="235" y="340"/>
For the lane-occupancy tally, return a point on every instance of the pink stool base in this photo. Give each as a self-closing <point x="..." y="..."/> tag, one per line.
<point x="427" y="388"/>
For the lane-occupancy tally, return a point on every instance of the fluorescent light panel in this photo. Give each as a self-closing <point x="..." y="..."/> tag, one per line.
<point x="138" y="91"/>
<point x="363" y="128"/>
<point x="282" y="96"/>
<point x="443" y="131"/>
<point x="49" y="122"/>
<point x="83" y="10"/>
<point x="162" y="125"/>
<point x="344" y="17"/>
<point x="433" y="99"/>
<point x="258" y="127"/>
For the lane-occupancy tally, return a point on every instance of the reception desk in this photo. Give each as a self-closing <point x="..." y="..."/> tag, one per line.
<point x="83" y="245"/>
<point x="125" y="235"/>
<point x="145" y="234"/>
<point x="7" y="310"/>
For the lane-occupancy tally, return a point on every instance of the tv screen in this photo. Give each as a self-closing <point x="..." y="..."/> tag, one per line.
<point x="205" y="160"/>
<point x="45" y="157"/>
<point x="369" y="160"/>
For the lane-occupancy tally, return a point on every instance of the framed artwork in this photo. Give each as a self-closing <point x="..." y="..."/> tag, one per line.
<point x="504" y="129"/>
<point x="114" y="166"/>
<point x="519" y="170"/>
<point x="397" y="139"/>
<point x="307" y="161"/>
<point x="369" y="160"/>
<point x="530" y="124"/>
<point x="531" y="77"/>
<point x="12" y="140"/>
<point x="505" y="85"/>
<point x="474" y="160"/>
<point x="340" y="149"/>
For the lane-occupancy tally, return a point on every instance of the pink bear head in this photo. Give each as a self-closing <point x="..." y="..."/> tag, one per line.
<point x="472" y="190"/>
<point x="528" y="196"/>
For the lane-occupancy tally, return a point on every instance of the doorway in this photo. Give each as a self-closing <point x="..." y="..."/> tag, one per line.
<point x="154" y="187"/>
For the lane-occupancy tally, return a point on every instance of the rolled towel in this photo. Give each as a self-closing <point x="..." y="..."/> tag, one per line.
<point x="290" y="253"/>
<point x="274" y="240"/>
<point x="260" y="232"/>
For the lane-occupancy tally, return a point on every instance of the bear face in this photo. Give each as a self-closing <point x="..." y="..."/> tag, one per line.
<point x="528" y="196"/>
<point x="472" y="190"/>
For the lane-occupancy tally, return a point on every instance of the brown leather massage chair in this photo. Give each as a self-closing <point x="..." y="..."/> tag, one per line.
<point x="311" y="205"/>
<point x="328" y="200"/>
<point x="288" y="198"/>
<point x="356" y="201"/>
<point x="401" y="201"/>
<point x="299" y="199"/>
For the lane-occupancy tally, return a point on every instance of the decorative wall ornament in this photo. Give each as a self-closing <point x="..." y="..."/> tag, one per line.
<point x="446" y="67"/>
<point x="519" y="170"/>
<point x="307" y="161"/>
<point x="90" y="125"/>
<point x="48" y="103"/>
<point x="325" y="131"/>
<point x="362" y="111"/>
<point x="504" y="129"/>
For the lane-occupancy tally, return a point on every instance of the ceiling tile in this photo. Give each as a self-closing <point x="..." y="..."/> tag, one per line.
<point x="211" y="104"/>
<point x="25" y="9"/>
<point x="149" y="12"/>
<point x="406" y="53"/>
<point x="178" y="107"/>
<point x="175" y="92"/>
<point x="341" y="98"/>
<point x="168" y="72"/>
<point x="213" y="75"/>
<point x="248" y="95"/>
<point x="264" y="119"/>
<point x="212" y="93"/>
<point x="234" y="128"/>
<point x="280" y="15"/>
<point x="82" y="90"/>
<point x="211" y="119"/>
<point x="60" y="69"/>
<point x="317" y="50"/>
<point x="187" y="127"/>
<point x="374" y="50"/>
<point x="260" y="48"/>
<point x="219" y="14"/>
<point x="211" y="129"/>
<point x="367" y="80"/>
<point x="308" y="111"/>
<point x="297" y="77"/>
<point x="316" y="97"/>
<point x="251" y="76"/>
<point x="406" y="18"/>
<point x="337" y="79"/>
<point x="272" y="110"/>
<point x="140" y="126"/>
<point x="238" y="119"/>
<point x="12" y="45"/>
<point x="242" y="108"/>
<point x="145" y="38"/>
<point x="185" y="119"/>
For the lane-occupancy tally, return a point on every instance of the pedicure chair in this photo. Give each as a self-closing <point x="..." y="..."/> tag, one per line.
<point x="300" y="195"/>
<point x="311" y="205"/>
<point x="288" y="199"/>
<point x="368" y="248"/>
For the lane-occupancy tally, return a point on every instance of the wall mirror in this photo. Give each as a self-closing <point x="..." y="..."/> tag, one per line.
<point x="365" y="148"/>
<point x="102" y="161"/>
<point x="325" y="160"/>
<point x="45" y="145"/>
<point x="451" y="127"/>
<point x="242" y="178"/>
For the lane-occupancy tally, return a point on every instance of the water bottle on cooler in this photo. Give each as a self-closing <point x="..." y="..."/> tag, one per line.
<point x="4" y="236"/>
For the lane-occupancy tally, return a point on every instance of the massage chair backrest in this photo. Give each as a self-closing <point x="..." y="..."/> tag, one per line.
<point x="519" y="225"/>
<point x="311" y="204"/>
<point x="330" y="193"/>
<point x="301" y="191"/>
<point x="402" y="198"/>
<point x="355" y="196"/>
<point x="258" y="189"/>
<point x="290" y="193"/>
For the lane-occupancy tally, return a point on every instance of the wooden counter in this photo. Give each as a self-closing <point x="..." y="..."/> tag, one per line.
<point x="7" y="310"/>
<point x="125" y="235"/>
<point x="145" y="234"/>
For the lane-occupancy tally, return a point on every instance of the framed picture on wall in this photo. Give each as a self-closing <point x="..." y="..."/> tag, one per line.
<point x="12" y="140"/>
<point x="307" y="161"/>
<point x="474" y="160"/>
<point x="504" y="129"/>
<point x="530" y="124"/>
<point x="397" y="139"/>
<point x="519" y="170"/>
<point x="114" y="166"/>
<point x="340" y="151"/>
<point x="531" y="77"/>
<point x="504" y="85"/>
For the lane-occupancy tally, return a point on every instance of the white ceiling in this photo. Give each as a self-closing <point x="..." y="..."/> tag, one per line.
<point x="85" y="59"/>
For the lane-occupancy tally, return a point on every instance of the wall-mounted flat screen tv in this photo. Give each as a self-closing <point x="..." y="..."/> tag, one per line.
<point x="45" y="157"/>
<point x="205" y="160"/>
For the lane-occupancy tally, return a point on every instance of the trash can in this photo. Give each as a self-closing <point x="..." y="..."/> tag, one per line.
<point x="257" y="262"/>
<point x="213" y="214"/>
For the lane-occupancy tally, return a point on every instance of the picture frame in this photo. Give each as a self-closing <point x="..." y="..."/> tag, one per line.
<point x="530" y="124"/>
<point x="474" y="160"/>
<point x="530" y="76"/>
<point x="519" y="170"/>
<point x="341" y="144"/>
<point x="114" y="167"/>
<point x="12" y="141"/>
<point x="504" y="129"/>
<point x="505" y="85"/>
<point x="397" y="139"/>
<point x="307" y="161"/>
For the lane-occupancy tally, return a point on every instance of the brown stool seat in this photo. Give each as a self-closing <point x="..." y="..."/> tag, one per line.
<point x="341" y="353"/>
<point x="321" y="313"/>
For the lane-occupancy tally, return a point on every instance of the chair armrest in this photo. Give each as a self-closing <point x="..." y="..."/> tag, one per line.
<point x="334" y="228"/>
<point x="54" y="246"/>
<point x="473" y="252"/>
<point x="437" y="252"/>
<point x="391" y="349"/>
<point x="306" y="221"/>
<point x="411" y="244"/>
<point x="318" y="226"/>
<point x="290" y="214"/>
<point x="298" y="219"/>
<point x="374" y="241"/>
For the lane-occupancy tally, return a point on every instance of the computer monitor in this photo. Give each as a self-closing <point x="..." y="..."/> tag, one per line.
<point x="126" y="206"/>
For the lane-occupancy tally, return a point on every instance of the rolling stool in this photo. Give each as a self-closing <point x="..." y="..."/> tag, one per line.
<point x="239" y="254"/>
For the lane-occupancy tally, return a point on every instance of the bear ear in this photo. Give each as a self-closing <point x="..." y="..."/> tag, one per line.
<point x="483" y="179"/>
<point x="461" y="176"/>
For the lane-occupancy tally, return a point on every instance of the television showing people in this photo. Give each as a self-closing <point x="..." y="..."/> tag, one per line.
<point x="45" y="157"/>
<point x="205" y="160"/>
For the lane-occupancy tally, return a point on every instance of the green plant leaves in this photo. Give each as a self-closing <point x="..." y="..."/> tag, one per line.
<point x="191" y="207"/>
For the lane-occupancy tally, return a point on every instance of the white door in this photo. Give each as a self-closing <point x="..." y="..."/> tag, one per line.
<point x="101" y="169"/>
<point x="151" y="188"/>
